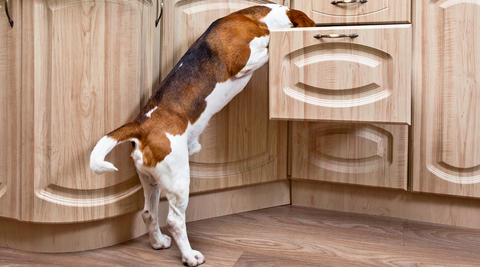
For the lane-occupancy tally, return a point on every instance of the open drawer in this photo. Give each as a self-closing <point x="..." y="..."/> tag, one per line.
<point x="355" y="79"/>
<point x="328" y="12"/>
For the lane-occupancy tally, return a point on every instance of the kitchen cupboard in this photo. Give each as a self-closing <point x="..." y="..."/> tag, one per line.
<point x="75" y="70"/>
<point x="87" y="68"/>
<point x="10" y="110"/>
<point x="446" y="122"/>
<point x="240" y="145"/>
<point x="353" y="153"/>
<point x="334" y="82"/>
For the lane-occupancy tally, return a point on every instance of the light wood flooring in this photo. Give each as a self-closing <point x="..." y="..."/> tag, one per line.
<point x="287" y="236"/>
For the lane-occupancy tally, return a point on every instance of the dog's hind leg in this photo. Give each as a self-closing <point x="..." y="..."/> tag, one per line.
<point x="151" y="191"/>
<point x="173" y="176"/>
<point x="178" y="201"/>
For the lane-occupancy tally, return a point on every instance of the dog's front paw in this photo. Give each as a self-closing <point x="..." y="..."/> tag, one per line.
<point x="194" y="147"/>
<point x="195" y="259"/>
<point x="161" y="242"/>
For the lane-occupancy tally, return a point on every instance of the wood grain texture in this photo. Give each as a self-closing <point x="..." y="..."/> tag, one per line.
<point x="286" y="236"/>
<point x="240" y="146"/>
<point x="88" y="67"/>
<point x="10" y="110"/>
<point x="91" y="235"/>
<point x="447" y="210"/>
<point x="362" y="154"/>
<point x="446" y="130"/>
<point x="362" y="79"/>
<point x="371" y="12"/>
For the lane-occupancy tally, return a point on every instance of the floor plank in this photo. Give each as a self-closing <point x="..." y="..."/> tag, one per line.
<point x="287" y="236"/>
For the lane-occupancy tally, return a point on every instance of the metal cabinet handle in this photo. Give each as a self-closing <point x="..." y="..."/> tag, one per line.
<point x="8" y="15"/>
<point x="348" y="1"/>
<point x="161" y="13"/>
<point x="353" y="35"/>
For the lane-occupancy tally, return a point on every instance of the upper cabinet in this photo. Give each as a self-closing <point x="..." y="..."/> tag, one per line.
<point x="347" y="73"/>
<point x="329" y="12"/>
<point x="88" y="67"/>
<point x="10" y="109"/>
<point x="446" y="128"/>
<point x="240" y="145"/>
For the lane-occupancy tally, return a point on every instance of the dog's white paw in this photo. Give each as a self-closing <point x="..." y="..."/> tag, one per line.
<point x="195" y="259"/>
<point x="194" y="147"/>
<point x="161" y="242"/>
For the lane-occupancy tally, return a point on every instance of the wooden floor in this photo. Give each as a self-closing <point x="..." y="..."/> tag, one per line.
<point x="287" y="236"/>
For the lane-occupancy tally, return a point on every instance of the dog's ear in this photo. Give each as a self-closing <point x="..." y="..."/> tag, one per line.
<point x="299" y="19"/>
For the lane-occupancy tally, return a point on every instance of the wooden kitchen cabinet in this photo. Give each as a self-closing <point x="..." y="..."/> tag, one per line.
<point x="11" y="106"/>
<point x="87" y="67"/>
<point x="370" y="12"/>
<point x="446" y="80"/>
<point x="240" y="146"/>
<point x="353" y="79"/>
<point x="360" y="154"/>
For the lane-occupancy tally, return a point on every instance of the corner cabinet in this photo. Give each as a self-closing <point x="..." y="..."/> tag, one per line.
<point x="10" y="111"/>
<point x="446" y="127"/>
<point x="75" y="89"/>
<point x="240" y="145"/>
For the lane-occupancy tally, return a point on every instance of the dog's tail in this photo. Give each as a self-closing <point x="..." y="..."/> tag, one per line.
<point x="107" y="143"/>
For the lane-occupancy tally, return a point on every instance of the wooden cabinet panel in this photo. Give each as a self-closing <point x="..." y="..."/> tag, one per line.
<point x="371" y="12"/>
<point x="10" y="110"/>
<point x="446" y="150"/>
<point x="240" y="146"/>
<point x="362" y="154"/>
<point x="88" y="67"/>
<point x="363" y="79"/>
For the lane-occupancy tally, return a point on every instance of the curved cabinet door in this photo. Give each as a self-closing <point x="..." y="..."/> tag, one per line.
<point x="10" y="110"/>
<point x="362" y="79"/>
<point x="240" y="146"/>
<point x="361" y="154"/>
<point x="89" y="66"/>
<point x="370" y="12"/>
<point x="446" y="150"/>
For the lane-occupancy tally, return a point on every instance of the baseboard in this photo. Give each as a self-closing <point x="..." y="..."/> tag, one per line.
<point x="447" y="210"/>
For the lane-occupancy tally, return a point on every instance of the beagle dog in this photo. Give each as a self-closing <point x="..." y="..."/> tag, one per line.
<point x="213" y="70"/>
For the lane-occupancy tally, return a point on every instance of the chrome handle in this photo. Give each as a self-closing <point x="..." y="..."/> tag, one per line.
<point x="161" y="12"/>
<point x="8" y="15"/>
<point x="353" y="35"/>
<point x="348" y="1"/>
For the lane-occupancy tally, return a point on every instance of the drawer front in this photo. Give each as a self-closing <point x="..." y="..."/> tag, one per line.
<point x="362" y="79"/>
<point x="323" y="12"/>
<point x="360" y="153"/>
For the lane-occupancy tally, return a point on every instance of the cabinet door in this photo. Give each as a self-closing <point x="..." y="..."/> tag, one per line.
<point x="240" y="146"/>
<point x="88" y="67"/>
<point x="361" y="154"/>
<point x="10" y="109"/>
<point x="362" y="79"/>
<point x="446" y="150"/>
<point x="371" y="12"/>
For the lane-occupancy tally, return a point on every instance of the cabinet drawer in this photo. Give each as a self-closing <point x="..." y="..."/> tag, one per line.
<point x="372" y="12"/>
<point x="361" y="154"/>
<point x="362" y="79"/>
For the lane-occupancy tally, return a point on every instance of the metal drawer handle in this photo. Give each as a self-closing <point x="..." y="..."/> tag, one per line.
<point x="348" y="1"/>
<point x="353" y="35"/>
<point x="161" y="13"/>
<point x="8" y="15"/>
